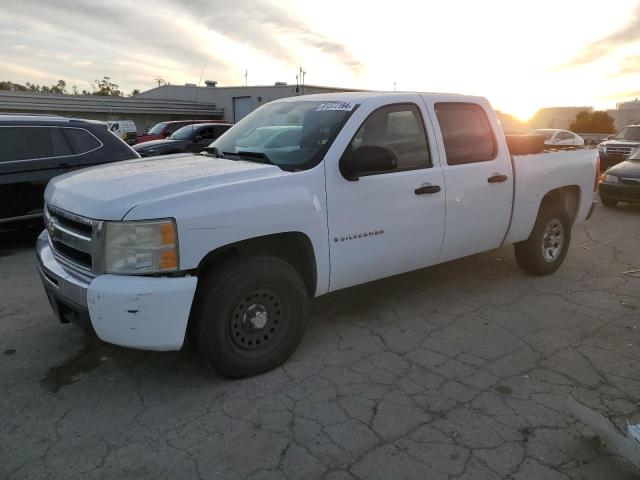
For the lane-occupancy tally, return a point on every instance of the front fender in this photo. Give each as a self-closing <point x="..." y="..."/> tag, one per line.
<point x="208" y="219"/>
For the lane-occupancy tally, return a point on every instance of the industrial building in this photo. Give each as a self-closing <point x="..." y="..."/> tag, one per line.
<point x="167" y="102"/>
<point x="145" y="112"/>
<point x="626" y="113"/>
<point x="235" y="102"/>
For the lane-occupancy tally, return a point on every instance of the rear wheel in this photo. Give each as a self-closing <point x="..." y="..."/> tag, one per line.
<point x="250" y="315"/>
<point x="608" y="202"/>
<point x="544" y="251"/>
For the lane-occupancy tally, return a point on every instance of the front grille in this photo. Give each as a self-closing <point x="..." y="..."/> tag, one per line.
<point x="618" y="150"/>
<point x="72" y="237"/>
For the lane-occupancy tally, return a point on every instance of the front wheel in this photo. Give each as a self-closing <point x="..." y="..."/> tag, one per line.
<point x="250" y="315"/>
<point x="544" y="251"/>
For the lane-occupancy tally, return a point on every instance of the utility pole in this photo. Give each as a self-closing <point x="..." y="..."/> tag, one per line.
<point x="302" y="74"/>
<point x="246" y="78"/>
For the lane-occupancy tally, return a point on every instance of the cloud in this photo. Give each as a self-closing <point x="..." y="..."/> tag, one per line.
<point x="19" y="47"/>
<point x="601" y="48"/>
<point x="262" y="26"/>
<point x="629" y="66"/>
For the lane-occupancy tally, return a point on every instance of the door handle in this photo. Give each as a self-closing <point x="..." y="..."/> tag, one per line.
<point x="497" y="178"/>
<point x="426" y="189"/>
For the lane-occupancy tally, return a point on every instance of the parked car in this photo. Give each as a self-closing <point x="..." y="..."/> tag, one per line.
<point x="124" y="129"/>
<point x="621" y="183"/>
<point x="557" y="136"/>
<point x="618" y="147"/>
<point x="231" y="244"/>
<point x="34" y="149"/>
<point x="192" y="138"/>
<point x="165" y="129"/>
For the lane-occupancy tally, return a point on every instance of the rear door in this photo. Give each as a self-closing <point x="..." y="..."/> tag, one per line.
<point x="389" y="222"/>
<point x="478" y="179"/>
<point x="29" y="157"/>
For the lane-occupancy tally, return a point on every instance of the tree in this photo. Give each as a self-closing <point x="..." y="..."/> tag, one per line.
<point x="135" y="91"/>
<point x="60" y="87"/>
<point x="14" y="87"/>
<point x="592" y="122"/>
<point x="106" y="87"/>
<point x="103" y="87"/>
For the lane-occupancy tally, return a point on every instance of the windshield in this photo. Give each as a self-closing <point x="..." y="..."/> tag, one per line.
<point x="287" y="134"/>
<point x="547" y="134"/>
<point x="157" y="128"/>
<point x="628" y="133"/>
<point x="184" y="133"/>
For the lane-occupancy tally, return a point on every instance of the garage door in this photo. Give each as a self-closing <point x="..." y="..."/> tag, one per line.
<point x="241" y="108"/>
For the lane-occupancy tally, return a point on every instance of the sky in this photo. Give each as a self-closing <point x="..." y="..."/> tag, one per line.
<point x="521" y="54"/>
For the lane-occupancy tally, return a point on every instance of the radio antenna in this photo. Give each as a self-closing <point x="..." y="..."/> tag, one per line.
<point x="197" y="87"/>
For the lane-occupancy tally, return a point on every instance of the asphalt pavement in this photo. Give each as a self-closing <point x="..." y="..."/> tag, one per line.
<point x="459" y="371"/>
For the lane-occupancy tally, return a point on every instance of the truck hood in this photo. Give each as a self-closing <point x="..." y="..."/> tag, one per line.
<point x="108" y="192"/>
<point x="622" y="143"/>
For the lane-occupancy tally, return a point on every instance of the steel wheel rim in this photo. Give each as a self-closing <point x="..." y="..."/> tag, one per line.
<point x="257" y="323"/>
<point x="552" y="240"/>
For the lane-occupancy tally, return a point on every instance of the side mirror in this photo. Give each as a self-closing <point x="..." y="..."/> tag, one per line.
<point x="610" y="137"/>
<point x="368" y="159"/>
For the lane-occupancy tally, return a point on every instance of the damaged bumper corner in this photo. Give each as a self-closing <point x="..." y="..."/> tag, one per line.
<point x="149" y="313"/>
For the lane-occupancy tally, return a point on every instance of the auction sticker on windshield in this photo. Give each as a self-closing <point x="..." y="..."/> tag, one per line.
<point x="336" y="106"/>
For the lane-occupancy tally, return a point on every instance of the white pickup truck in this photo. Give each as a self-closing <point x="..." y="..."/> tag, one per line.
<point x="229" y="245"/>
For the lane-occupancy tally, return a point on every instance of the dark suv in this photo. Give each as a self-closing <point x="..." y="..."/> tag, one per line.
<point x="34" y="149"/>
<point x="618" y="147"/>
<point x="192" y="138"/>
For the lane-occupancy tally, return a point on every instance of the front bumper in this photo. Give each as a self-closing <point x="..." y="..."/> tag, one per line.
<point x="149" y="313"/>
<point x="620" y="192"/>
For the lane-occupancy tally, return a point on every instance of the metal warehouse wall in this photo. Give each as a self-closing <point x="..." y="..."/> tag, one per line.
<point x="144" y="112"/>
<point x="223" y="97"/>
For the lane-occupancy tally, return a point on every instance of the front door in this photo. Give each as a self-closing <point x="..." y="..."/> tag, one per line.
<point x="390" y="222"/>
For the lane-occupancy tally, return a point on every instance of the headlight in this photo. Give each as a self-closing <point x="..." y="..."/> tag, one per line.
<point x="141" y="247"/>
<point x="601" y="148"/>
<point x="609" y="178"/>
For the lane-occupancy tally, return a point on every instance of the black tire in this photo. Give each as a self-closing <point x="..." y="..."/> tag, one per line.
<point x="544" y="251"/>
<point x="607" y="202"/>
<point x="250" y="315"/>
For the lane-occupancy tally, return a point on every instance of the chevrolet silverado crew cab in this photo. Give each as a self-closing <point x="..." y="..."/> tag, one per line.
<point x="228" y="246"/>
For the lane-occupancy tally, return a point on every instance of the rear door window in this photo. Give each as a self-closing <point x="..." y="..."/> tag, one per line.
<point x="220" y="129"/>
<point x="207" y="133"/>
<point x="466" y="132"/>
<point x="81" y="141"/>
<point x="60" y="144"/>
<point x="25" y="143"/>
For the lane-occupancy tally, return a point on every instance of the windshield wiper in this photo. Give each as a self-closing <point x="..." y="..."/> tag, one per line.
<point x="258" y="157"/>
